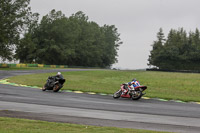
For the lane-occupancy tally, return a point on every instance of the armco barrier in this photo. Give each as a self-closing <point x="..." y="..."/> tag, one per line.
<point x="21" y="65"/>
<point x="3" y="65"/>
<point x="62" y="66"/>
<point x="47" y="66"/>
<point x="40" y="65"/>
<point x="12" y="65"/>
<point x="32" y="65"/>
<point x="180" y="71"/>
<point x="53" y="66"/>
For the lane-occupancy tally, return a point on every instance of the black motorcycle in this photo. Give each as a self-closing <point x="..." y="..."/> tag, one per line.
<point x="53" y="83"/>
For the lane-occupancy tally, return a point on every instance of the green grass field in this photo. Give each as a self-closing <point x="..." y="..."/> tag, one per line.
<point x="13" y="125"/>
<point x="166" y="85"/>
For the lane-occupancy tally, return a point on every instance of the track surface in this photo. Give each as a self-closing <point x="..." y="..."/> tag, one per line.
<point x="96" y="109"/>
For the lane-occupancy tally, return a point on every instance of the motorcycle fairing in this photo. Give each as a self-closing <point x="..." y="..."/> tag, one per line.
<point x="142" y="87"/>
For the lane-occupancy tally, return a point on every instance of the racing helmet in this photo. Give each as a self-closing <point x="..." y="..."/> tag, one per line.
<point x="59" y="73"/>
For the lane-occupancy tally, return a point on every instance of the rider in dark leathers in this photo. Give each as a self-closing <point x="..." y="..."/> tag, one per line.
<point x="59" y="76"/>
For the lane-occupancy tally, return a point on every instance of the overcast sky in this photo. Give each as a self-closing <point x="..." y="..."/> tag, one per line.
<point x="137" y="21"/>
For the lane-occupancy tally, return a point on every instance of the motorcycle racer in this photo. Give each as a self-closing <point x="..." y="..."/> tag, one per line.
<point x="130" y="85"/>
<point x="134" y="83"/>
<point x="131" y="90"/>
<point x="59" y="76"/>
<point x="54" y="83"/>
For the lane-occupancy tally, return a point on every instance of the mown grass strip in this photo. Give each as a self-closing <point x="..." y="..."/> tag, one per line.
<point x="13" y="125"/>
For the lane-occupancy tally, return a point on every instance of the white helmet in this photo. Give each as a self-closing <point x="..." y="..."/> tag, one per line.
<point x="59" y="73"/>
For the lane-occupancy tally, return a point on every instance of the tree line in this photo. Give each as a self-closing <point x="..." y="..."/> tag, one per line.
<point x="179" y="51"/>
<point x="57" y="39"/>
<point x="15" y="17"/>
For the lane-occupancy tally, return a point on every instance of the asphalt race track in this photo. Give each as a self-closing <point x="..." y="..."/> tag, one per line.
<point x="151" y="114"/>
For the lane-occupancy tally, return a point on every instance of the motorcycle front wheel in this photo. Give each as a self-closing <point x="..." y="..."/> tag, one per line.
<point x="117" y="94"/>
<point x="136" y="95"/>
<point x="44" y="88"/>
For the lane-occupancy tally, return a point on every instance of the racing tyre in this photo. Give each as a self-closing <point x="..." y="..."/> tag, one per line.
<point x="136" y="95"/>
<point x="117" y="94"/>
<point x="44" y="88"/>
<point x="57" y="87"/>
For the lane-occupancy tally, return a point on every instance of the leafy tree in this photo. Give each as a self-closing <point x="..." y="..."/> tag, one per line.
<point x="73" y="41"/>
<point x="112" y="42"/>
<point x="14" y="18"/>
<point x="26" y="49"/>
<point x="179" y="52"/>
<point x="154" y="58"/>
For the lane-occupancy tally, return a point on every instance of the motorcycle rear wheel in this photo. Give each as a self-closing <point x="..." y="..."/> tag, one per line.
<point x="57" y="87"/>
<point x="137" y="95"/>
<point x="117" y="94"/>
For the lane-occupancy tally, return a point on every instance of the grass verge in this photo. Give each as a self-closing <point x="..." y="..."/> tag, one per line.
<point x="13" y="125"/>
<point x="166" y="85"/>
